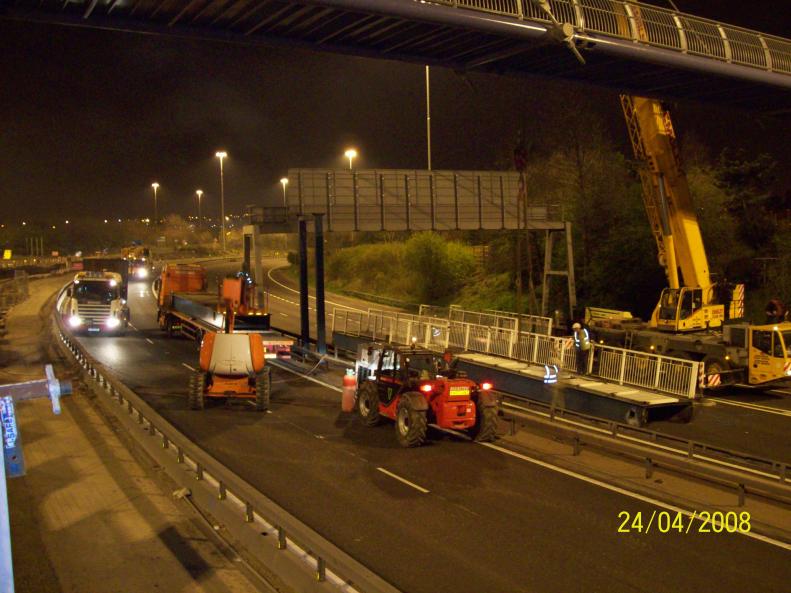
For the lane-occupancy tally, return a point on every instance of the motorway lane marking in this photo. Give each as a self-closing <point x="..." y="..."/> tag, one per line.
<point x="150" y="341"/>
<point x="269" y="275"/>
<point x="403" y="480"/>
<point x="756" y="407"/>
<point x="641" y="497"/>
<point x="188" y="366"/>
<point x="283" y="314"/>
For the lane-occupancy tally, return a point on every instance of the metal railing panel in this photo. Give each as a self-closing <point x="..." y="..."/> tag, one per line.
<point x="703" y="38"/>
<point x="780" y="53"/>
<point x="746" y="47"/>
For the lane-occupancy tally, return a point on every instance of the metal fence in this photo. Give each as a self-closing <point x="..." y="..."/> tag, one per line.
<point x="653" y="372"/>
<point x="12" y="291"/>
<point x="492" y="317"/>
<point x="652" y="25"/>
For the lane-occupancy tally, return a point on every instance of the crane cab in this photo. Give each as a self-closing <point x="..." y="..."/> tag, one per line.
<point x="683" y="309"/>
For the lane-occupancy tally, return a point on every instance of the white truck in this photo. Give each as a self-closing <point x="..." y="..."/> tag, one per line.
<point x="95" y="303"/>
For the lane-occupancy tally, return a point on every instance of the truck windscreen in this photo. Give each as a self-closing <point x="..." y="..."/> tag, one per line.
<point x="92" y="291"/>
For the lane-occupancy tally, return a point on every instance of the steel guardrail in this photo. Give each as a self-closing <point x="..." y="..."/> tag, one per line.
<point x="651" y="25"/>
<point x="329" y="562"/>
<point x="762" y="477"/>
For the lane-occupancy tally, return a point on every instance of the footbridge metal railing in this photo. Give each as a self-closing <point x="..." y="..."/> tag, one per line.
<point x="654" y="372"/>
<point x="653" y="26"/>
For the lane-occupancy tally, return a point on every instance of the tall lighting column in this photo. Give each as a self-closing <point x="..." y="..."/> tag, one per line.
<point x="284" y="183"/>
<point x="155" y="185"/>
<point x="350" y="154"/>
<point x="221" y="154"/>
<point x="199" y="193"/>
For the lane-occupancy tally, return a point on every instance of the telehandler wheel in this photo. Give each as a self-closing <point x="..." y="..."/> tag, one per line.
<point x="485" y="428"/>
<point x="197" y="389"/>
<point x="411" y="424"/>
<point x="368" y="404"/>
<point x="263" y="384"/>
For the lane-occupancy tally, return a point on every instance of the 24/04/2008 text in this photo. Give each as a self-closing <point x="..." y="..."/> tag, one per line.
<point x="676" y="522"/>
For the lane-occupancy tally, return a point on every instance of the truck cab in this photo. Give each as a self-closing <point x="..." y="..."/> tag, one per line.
<point x="94" y="303"/>
<point x="770" y="354"/>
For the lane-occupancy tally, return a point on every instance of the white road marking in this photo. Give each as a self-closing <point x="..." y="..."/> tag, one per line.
<point x="756" y="407"/>
<point x="188" y="366"/>
<point x="133" y="327"/>
<point x="624" y="492"/>
<point x="403" y="480"/>
<point x="149" y="341"/>
<point x="283" y="314"/>
<point x="269" y="275"/>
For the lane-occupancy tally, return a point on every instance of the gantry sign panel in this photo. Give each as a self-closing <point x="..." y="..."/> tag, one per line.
<point x="416" y="200"/>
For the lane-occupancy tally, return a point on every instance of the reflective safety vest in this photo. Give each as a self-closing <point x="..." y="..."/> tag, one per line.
<point x="582" y="339"/>
<point x="550" y="374"/>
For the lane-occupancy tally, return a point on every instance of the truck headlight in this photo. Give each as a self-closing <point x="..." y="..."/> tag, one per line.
<point x="113" y="322"/>
<point x="141" y="273"/>
<point x="75" y="321"/>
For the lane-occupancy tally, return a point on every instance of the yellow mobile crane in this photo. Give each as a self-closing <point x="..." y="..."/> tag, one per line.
<point x="688" y="321"/>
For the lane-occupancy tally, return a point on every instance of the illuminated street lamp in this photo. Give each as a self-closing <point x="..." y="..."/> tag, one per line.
<point x="199" y="193"/>
<point x="284" y="182"/>
<point x="221" y="154"/>
<point x="350" y="154"/>
<point x="155" y="185"/>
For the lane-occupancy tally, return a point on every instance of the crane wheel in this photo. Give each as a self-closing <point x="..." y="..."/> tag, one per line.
<point x="485" y="428"/>
<point x="263" y="386"/>
<point x="411" y="424"/>
<point x="196" y="391"/>
<point x="717" y="366"/>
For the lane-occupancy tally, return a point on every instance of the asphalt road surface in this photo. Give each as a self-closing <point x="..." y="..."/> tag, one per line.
<point x="450" y="516"/>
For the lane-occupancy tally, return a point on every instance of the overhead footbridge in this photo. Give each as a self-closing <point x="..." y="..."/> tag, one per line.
<point x="628" y="46"/>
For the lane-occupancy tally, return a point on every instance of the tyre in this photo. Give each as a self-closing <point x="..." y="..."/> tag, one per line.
<point x="485" y="428"/>
<point x="717" y="366"/>
<point x="196" y="390"/>
<point x="263" y="384"/>
<point x="411" y="424"/>
<point x="368" y="403"/>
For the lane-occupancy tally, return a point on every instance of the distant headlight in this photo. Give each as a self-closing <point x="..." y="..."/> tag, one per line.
<point x="141" y="273"/>
<point x="75" y="321"/>
<point x="113" y="322"/>
<point x="113" y="282"/>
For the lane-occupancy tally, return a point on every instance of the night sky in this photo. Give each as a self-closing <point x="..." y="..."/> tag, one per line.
<point x="90" y="118"/>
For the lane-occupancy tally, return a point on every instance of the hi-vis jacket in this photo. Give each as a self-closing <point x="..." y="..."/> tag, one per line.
<point x="582" y="339"/>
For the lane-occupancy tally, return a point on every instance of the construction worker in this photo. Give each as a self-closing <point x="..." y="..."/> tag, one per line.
<point x="583" y="343"/>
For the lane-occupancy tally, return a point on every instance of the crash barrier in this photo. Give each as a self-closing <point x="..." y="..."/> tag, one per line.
<point x="745" y="473"/>
<point x="535" y="324"/>
<point x="654" y="372"/>
<point x="266" y="529"/>
<point x="22" y="262"/>
<point x="651" y="25"/>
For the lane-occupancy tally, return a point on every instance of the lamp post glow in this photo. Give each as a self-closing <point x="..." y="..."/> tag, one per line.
<point x="284" y="183"/>
<point x="155" y="185"/>
<point x="350" y="154"/>
<point x="221" y="154"/>
<point x="199" y="193"/>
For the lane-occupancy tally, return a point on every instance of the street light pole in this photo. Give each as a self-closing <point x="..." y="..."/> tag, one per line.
<point x="284" y="182"/>
<point x="155" y="185"/>
<point x="428" y="118"/>
<point x="222" y="155"/>
<point x="199" y="192"/>
<point x="350" y="154"/>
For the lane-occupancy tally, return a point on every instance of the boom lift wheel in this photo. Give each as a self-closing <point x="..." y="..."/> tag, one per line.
<point x="263" y="383"/>
<point x="411" y="424"/>
<point x="485" y="429"/>
<point x="368" y="403"/>
<point x="196" y="391"/>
